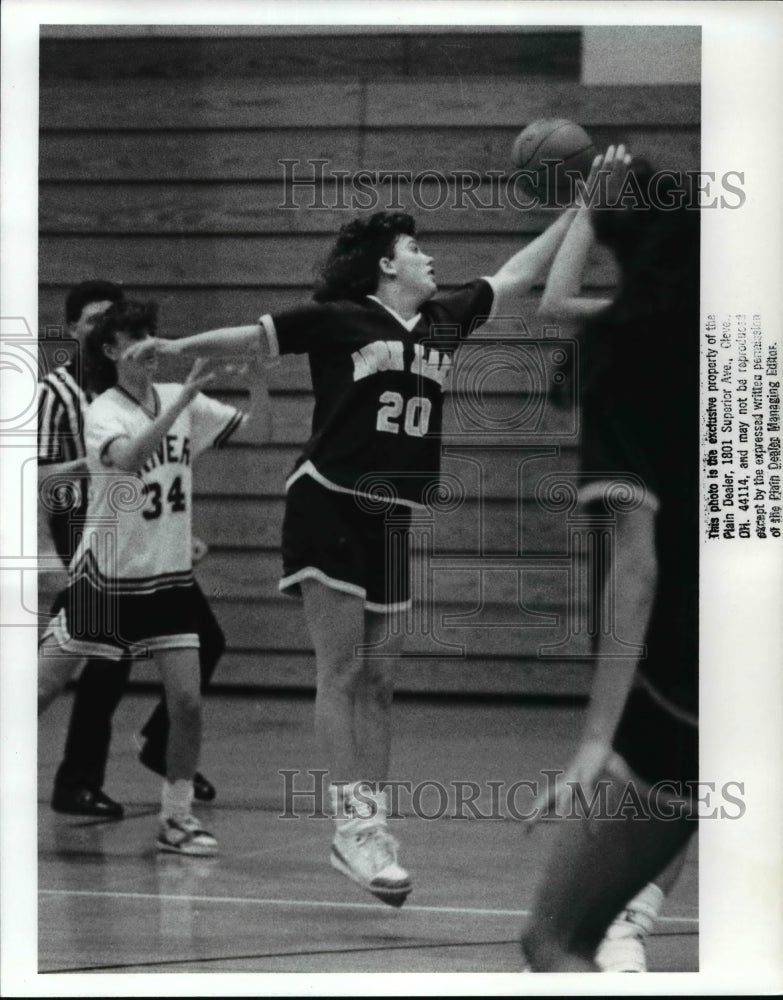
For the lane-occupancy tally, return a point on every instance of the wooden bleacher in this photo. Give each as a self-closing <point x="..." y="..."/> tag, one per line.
<point x="159" y="168"/>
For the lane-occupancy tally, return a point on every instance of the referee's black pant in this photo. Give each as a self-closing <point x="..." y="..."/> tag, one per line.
<point x="99" y="690"/>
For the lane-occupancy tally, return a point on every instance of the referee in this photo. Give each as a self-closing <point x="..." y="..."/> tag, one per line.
<point x="78" y="784"/>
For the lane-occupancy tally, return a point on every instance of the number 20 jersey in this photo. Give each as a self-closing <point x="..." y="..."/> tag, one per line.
<point x="137" y="534"/>
<point x="378" y="382"/>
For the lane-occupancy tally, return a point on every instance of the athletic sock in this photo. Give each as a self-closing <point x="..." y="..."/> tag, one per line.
<point x="176" y="798"/>
<point x="644" y="908"/>
<point x="357" y="800"/>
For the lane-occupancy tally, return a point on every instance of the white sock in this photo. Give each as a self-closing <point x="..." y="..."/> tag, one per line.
<point x="357" y="800"/>
<point x="641" y="912"/>
<point x="176" y="798"/>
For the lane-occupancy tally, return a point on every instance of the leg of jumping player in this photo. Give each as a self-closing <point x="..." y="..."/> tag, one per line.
<point x="598" y="863"/>
<point x="375" y="691"/>
<point x="353" y="707"/>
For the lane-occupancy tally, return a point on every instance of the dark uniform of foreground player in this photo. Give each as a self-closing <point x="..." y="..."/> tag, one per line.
<point x="379" y="366"/>
<point x="641" y="418"/>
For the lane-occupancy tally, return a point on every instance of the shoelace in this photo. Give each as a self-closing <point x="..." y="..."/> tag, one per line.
<point x="188" y="823"/>
<point x="383" y="845"/>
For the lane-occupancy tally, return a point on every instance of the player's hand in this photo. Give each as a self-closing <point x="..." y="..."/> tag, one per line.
<point x="585" y="188"/>
<point x="150" y="347"/>
<point x="196" y="380"/>
<point x="583" y="772"/>
<point x="605" y="181"/>
<point x="616" y="169"/>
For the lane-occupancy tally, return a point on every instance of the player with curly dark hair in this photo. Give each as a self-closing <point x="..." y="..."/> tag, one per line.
<point x="380" y="341"/>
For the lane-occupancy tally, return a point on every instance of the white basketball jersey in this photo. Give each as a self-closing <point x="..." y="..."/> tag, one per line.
<point x="137" y="536"/>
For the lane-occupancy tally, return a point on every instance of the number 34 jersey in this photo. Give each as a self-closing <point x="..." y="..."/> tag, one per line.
<point x="137" y="533"/>
<point x="378" y="382"/>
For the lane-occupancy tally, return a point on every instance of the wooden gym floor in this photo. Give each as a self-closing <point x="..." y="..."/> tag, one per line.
<point x="108" y="902"/>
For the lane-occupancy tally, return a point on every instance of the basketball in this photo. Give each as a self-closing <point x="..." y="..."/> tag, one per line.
<point x="553" y="149"/>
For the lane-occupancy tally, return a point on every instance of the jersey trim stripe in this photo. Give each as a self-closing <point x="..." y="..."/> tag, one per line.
<point x="313" y="573"/>
<point x="228" y="430"/>
<point x="308" y="469"/>
<point x="58" y="630"/>
<point x="668" y="706"/>
<point x="596" y="491"/>
<point x="87" y="568"/>
<point x="267" y="324"/>
<point x="409" y="324"/>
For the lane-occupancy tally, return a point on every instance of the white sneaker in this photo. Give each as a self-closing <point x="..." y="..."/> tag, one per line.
<point x="622" y="949"/>
<point x="185" y="835"/>
<point x="366" y="852"/>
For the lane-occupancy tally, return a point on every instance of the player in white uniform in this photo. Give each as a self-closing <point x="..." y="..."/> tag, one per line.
<point x="379" y="341"/>
<point x="131" y="583"/>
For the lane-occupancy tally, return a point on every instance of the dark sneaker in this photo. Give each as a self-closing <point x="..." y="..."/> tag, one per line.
<point x="83" y="801"/>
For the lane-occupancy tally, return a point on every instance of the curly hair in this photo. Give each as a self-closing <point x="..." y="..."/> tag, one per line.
<point x="134" y="318"/>
<point x="351" y="268"/>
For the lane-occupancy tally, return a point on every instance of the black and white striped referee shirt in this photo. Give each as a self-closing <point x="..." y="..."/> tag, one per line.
<point x="61" y="406"/>
<point x="61" y="402"/>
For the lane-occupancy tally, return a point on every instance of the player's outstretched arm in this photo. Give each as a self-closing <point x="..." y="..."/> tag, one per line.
<point x="562" y="297"/>
<point x="224" y="342"/>
<point x="256" y="426"/>
<point x="518" y="275"/>
<point x="129" y="454"/>
<point x="632" y="577"/>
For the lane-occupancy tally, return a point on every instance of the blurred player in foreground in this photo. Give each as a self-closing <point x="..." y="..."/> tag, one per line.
<point x="379" y="366"/>
<point x="640" y="419"/>
<point x="131" y="589"/>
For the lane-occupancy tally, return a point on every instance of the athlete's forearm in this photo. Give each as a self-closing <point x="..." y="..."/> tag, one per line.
<point x="129" y="454"/>
<point x="519" y="273"/>
<point x="562" y="297"/>
<point x="223" y="342"/>
<point x="256" y="427"/>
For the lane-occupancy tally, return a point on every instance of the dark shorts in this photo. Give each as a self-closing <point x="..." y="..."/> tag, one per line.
<point x="657" y="743"/>
<point x="333" y="538"/>
<point x="88" y="621"/>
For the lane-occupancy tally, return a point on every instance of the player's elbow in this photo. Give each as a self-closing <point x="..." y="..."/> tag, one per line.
<point x="548" y="307"/>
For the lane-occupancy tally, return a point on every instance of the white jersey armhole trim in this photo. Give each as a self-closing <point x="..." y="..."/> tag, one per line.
<point x="107" y="445"/>
<point x="267" y="325"/>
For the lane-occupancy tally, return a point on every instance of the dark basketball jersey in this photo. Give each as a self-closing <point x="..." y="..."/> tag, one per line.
<point x="378" y="382"/>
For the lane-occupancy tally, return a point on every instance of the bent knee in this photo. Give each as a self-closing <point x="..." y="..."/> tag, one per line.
<point x="184" y="704"/>
<point x="380" y="681"/>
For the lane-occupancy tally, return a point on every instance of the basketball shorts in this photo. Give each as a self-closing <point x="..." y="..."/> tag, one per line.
<point x="657" y="742"/>
<point x="333" y="538"/>
<point x="89" y="621"/>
